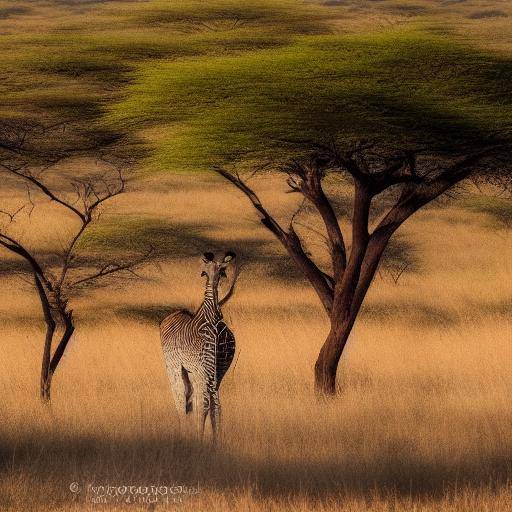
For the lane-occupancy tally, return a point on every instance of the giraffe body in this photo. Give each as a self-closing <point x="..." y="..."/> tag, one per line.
<point x="198" y="351"/>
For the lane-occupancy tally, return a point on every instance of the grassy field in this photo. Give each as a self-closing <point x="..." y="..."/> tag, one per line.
<point x="422" y="420"/>
<point x="422" y="423"/>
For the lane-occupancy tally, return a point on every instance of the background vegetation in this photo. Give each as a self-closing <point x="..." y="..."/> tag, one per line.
<point x="423" y="420"/>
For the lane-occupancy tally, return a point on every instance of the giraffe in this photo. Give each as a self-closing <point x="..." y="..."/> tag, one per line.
<point x="199" y="348"/>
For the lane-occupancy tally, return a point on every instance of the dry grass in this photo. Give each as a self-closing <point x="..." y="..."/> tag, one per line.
<point x="422" y="422"/>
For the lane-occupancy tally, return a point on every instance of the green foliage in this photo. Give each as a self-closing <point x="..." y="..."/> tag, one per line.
<point x="224" y="81"/>
<point x="75" y="68"/>
<point x="227" y="15"/>
<point x="400" y="85"/>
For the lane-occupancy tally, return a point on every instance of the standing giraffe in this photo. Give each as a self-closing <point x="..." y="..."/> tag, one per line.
<point x="199" y="348"/>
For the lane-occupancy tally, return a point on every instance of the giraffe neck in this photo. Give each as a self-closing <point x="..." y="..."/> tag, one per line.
<point x="210" y="305"/>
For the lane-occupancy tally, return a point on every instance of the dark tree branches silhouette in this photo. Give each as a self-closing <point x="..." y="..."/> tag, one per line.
<point x="418" y="176"/>
<point x="83" y="197"/>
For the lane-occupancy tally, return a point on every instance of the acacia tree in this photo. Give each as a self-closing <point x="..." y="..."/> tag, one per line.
<point x="56" y="280"/>
<point x="417" y="178"/>
<point x="435" y="111"/>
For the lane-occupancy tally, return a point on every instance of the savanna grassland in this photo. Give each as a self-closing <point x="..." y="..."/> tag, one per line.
<point x="422" y="419"/>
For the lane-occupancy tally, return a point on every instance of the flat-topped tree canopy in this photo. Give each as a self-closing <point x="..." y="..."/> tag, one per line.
<point x="435" y="111"/>
<point x="403" y="86"/>
<point x="82" y="57"/>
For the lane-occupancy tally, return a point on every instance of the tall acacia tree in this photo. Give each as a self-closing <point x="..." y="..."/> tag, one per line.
<point x="343" y="287"/>
<point x="28" y="156"/>
<point x="436" y="113"/>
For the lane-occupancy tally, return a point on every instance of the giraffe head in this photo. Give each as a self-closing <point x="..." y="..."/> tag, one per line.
<point x="215" y="270"/>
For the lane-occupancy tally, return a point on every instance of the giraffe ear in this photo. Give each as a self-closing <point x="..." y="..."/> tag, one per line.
<point x="207" y="257"/>
<point x="229" y="256"/>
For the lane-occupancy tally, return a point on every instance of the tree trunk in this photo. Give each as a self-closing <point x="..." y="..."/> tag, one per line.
<point x="50" y="363"/>
<point x="46" y="373"/>
<point x="344" y="316"/>
<point x="345" y="308"/>
<point x="46" y="383"/>
<point x="326" y="365"/>
<point x="69" y="329"/>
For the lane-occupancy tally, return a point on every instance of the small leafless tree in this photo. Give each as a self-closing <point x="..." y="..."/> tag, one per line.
<point x="81" y="196"/>
<point x="416" y="177"/>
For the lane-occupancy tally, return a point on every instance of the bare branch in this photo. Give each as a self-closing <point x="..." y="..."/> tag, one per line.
<point x="457" y="172"/>
<point x="306" y="177"/>
<point x="414" y="196"/>
<point x="12" y="215"/>
<point x="113" y="268"/>
<point x="290" y="240"/>
<point x="267" y="220"/>
<point x="360" y="241"/>
<point x="120" y="188"/>
<point x="30" y="200"/>
<point x="43" y="188"/>
<point x="67" y="257"/>
<point x="14" y="246"/>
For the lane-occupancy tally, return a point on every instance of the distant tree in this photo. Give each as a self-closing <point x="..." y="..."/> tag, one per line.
<point x="402" y="117"/>
<point x="55" y="280"/>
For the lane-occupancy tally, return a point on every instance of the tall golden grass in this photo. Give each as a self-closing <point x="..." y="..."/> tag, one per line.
<point x="422" y="420"/>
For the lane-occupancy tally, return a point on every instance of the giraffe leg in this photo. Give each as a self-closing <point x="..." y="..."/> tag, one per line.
<point x="215" y="415"/>
<point x="204" y="412"/>
<point x="188" y="390"/>
<point x="178" y="391"/>
<point x="201" y="403"/>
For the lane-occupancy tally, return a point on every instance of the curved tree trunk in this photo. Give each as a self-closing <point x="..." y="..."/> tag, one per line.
<point x="69" y="329"/>
<point x="326" y="365"/>
<point x="345" y="314"/>
<point x="50" y="362"/>
<point x="343" y="290"/>
<point x="46" y="373"/>
<point x="345" y="307"/>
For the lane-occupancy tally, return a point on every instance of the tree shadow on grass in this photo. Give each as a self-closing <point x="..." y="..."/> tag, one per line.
<point x="10" y="11"/>
<point x="172" y="242"/>
<point x="164" y="461"/>
<point x="415" y="313"/>
<point x="498" y="210"/>
<point x="490" y="13"/>
<point x="151" y="314"/>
